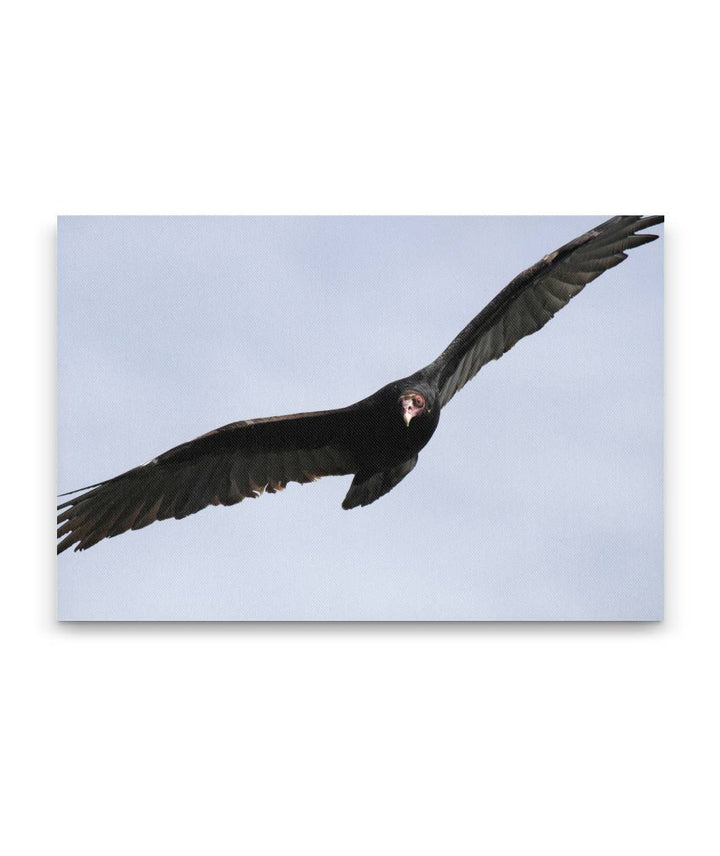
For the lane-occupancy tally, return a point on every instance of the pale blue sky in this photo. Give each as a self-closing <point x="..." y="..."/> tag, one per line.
<point x="539" y="497"/>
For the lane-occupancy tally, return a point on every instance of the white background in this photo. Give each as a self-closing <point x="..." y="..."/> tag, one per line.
<point x="502" y="739"/>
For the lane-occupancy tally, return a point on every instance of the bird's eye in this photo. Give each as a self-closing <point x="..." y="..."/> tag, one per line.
<point x="418" y="402"/>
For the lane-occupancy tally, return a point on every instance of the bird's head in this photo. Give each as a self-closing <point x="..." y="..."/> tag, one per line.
<point x="412" y="404"/>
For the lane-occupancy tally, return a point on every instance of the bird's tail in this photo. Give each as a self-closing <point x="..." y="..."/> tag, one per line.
<point x="367" y="488"/>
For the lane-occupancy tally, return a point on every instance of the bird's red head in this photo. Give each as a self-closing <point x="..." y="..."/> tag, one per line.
<point x="412" y="404"/>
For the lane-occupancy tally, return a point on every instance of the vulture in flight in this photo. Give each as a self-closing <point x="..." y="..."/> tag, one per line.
<point x="375" y="440"/>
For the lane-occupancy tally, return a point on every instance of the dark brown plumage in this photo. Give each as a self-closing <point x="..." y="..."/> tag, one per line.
<point x="376" y="439"/>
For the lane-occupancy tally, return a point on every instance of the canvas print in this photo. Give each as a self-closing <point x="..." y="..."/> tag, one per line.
<point x="436" y="418"/>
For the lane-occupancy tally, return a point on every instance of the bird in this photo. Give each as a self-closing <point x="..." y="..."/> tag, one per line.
<point x="376" y="440"/>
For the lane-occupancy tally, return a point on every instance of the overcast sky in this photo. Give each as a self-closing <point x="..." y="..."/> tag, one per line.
<point x="539" y="496"/>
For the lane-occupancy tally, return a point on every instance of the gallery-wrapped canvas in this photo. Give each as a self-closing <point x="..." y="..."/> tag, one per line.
<point x="307" y="418"/>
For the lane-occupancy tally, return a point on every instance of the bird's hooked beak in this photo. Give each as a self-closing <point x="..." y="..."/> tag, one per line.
<point x="411" y="405"/>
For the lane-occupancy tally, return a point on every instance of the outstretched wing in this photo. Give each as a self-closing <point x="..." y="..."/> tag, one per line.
<point x="533" y="297"/>
<point x="223" y="467"/>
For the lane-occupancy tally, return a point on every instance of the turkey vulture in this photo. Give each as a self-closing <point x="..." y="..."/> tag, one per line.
<point x="377" y="439"/>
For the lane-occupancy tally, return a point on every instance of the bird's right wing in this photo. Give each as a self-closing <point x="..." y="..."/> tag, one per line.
<point x="533" y="297"/>
<point x="223" y="467"/>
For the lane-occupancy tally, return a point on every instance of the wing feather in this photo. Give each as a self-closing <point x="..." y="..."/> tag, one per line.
<point x="223" y="467"/>
<point x="533" y="298"/>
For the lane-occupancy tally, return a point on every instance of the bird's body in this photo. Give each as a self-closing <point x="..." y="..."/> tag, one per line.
<point x="376" y="439"/>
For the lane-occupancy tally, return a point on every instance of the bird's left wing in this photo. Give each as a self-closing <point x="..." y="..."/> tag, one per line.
<point x="533" y="297"/>
<point x="223" y="467"/>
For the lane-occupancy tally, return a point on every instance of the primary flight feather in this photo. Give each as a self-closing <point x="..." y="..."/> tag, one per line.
<point x="376" y="439"/>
